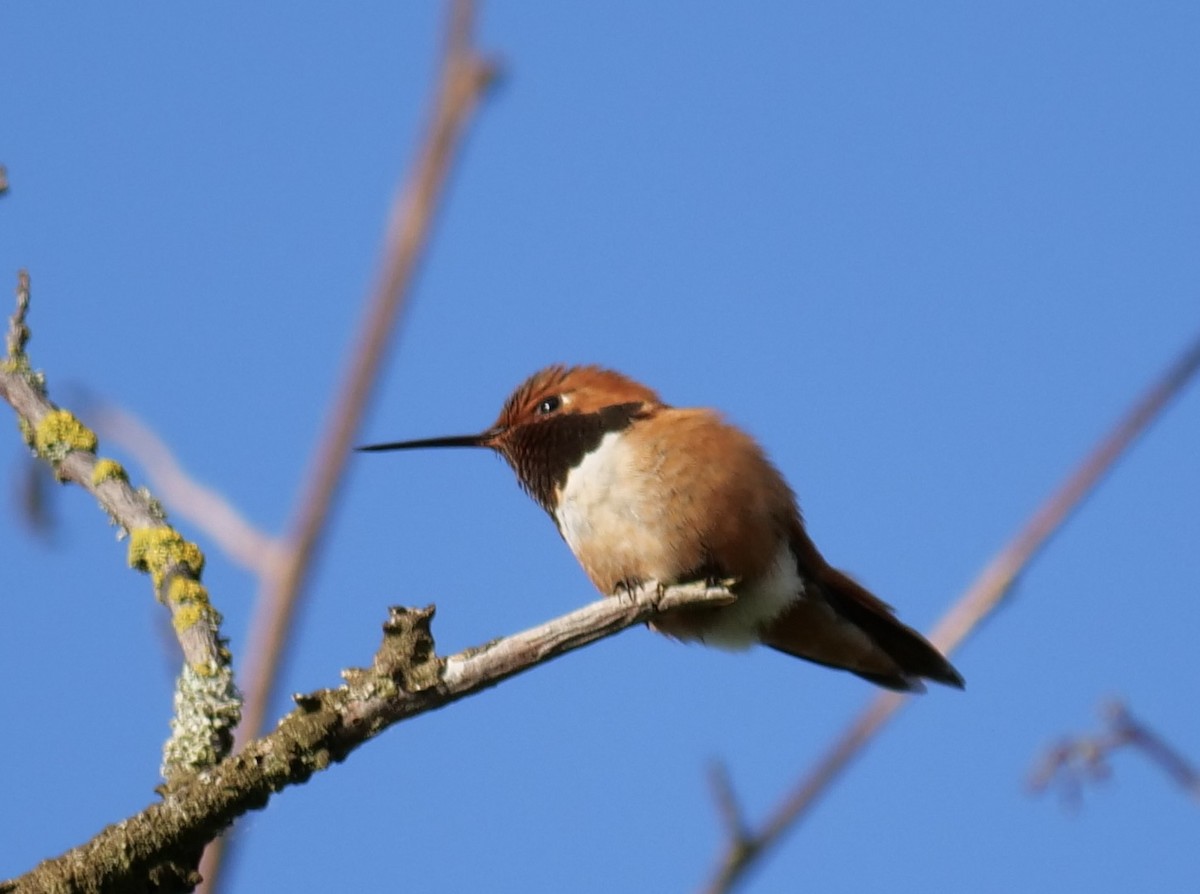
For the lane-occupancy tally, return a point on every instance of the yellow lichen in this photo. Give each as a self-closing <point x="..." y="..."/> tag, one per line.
<point x="59" y="433"/>
<point x="188" y="616"/>
<point x="107" y="470"/>
<point x="205" y="669"/>
<point x="156" y="550"/>
<point x="185" y="591"/>
<point x="189" y="598"/>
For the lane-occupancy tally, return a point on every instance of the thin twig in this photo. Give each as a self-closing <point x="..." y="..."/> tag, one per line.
<point x="18" y="331"/>
<point x="1074" y="761"/>
<point x="405" y="679"/>
<point x="465" y="75"/>
<point x="202" y="506"/>
<point x="737" y="830"/>
<point x="980" y="600"/>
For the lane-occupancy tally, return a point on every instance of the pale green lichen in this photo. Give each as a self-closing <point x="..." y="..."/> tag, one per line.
<point x="59" y="434"/>
<point x="157" y="550"/>
<point x="108" y="470"/>
<point x="207" y="705"/>
<point x="207" y="709"/>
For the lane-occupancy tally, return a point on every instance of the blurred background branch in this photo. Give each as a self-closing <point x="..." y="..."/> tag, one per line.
<point x="465" y="76"/>
<point x="202" y="506"/>
<point x="981" y="599"/>
<point x="1074" y="761"/>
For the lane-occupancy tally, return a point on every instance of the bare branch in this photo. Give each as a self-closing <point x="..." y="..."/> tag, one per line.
<point x="18" y="332"/>
<point x="465" y="75"/>
<point x="737" y="830"/>
<point x="980" y="600"/>
<point x="1075" y="761"/>
<point x="406" y="678"/>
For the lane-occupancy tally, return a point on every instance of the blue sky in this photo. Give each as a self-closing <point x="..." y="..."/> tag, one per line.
<point x="927" y="254"/>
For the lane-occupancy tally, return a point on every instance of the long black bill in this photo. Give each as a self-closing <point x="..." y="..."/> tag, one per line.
<point x="483" y="439"/>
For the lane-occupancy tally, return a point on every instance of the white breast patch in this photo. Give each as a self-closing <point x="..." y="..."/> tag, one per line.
<point x="591" y="499"/>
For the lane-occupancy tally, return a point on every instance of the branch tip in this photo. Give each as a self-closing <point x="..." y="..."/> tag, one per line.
<point x="737" y="830"/>
<point x="408" y="654"/>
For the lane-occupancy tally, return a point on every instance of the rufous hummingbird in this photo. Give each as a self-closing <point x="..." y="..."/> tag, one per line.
<point x="642" y="491"/>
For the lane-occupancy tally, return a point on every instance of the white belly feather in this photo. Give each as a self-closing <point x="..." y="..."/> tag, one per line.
<point x="759" y="602"/>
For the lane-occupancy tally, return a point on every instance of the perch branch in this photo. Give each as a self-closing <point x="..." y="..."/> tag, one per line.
<point x="406" y="678"/>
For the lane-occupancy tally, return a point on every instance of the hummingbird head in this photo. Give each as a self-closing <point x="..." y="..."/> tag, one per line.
<point x="558" y="391"/>
<point x="551" y="422"/>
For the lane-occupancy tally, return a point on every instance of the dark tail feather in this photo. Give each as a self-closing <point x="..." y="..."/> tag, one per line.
<point x="914" y="655"/>
<point x="853" y="630"/>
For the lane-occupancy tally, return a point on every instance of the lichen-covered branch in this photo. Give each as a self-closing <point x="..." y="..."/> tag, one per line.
<point x="202" y="731"/>
<point x="405" y="678"/>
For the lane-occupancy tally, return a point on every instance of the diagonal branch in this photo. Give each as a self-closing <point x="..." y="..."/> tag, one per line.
<point x="464" y="77"/>
<point x="406" y="678"/>
<point x="981" y="599"/>
<point x="206" y="509"/>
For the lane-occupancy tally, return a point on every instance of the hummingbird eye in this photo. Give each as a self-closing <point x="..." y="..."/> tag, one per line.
<point x="549" y="405"/>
